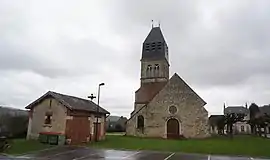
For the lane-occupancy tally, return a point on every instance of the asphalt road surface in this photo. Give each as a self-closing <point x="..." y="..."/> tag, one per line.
<point x="83" y="153"/>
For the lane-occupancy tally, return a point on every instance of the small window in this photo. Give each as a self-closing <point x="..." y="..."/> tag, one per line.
<point x="242" y="128"/>
<point x="140" y="122"/>
<point x="48" y="118"/>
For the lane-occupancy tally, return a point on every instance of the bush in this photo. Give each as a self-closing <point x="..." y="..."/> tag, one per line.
<point x="15" y="126"/>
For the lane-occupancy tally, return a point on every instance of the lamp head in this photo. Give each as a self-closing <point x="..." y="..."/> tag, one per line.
<point x="101" y="84"/>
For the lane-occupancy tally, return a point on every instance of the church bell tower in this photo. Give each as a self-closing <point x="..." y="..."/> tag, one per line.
<point x="155" y="59"/>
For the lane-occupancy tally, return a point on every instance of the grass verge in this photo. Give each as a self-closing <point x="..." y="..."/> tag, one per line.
<point x="21" y="146"/>
<point x="239" y="145"/>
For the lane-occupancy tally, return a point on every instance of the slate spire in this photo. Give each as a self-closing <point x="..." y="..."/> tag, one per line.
<point x="155" y="46"/>
<point x="155" y="35"/>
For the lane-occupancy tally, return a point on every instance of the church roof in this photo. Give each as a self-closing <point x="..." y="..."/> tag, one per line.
<point x="71" y="102"/>
<point x="154" y="46"/>
<point x="155" y="35"/>
<point x="147" y="91"/>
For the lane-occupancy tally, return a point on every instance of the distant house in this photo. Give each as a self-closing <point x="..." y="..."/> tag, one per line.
<point x="239" y="127"/>
<point x="116" y="124"/>
<point x="72" y="117"/>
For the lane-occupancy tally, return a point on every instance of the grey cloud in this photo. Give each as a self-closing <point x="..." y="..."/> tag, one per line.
<point x="233" y="50"/>
<point x="69" y="58"/>
<point x="219" y="48"/>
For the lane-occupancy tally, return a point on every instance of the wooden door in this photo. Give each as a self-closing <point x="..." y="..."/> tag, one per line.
<point x="78" y="129"/>
<point x="172" y="128"/>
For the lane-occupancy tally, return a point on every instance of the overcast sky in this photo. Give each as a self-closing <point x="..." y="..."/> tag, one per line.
<point x="220" y="48"/>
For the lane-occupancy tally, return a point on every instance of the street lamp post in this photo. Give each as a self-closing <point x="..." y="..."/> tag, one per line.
<point x="96" y="130"/>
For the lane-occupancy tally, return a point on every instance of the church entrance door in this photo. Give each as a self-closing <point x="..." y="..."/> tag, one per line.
<point x="172" y="128"/>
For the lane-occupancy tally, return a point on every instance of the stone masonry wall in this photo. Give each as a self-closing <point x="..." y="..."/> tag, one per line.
<point x="191" y="114"/>
<point x="36" y="123"/>
<point x="163" y="74"/>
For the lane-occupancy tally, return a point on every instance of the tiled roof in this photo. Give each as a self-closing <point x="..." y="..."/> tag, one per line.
<point x="71" y="102"/>
<point x="236" y="109"/>
<point x="265" y="109"/>
<point x="147" y="91"/>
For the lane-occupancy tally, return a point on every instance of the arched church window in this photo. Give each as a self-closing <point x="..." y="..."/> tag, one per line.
<point x="148" y="67"/>
<point x="149" y="71"/>
<point x="140" y="122"/>
<point x="156" y="66"/>
<point x="156" y="69"/>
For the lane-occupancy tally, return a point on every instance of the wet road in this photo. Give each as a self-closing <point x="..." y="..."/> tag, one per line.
<point x="83" y="153"/>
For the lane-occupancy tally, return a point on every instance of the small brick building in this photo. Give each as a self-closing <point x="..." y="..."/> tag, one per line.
<point x="73" y="117"/>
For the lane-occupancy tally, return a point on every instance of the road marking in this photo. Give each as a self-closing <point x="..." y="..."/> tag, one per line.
<point x="169" y="156"/>
<point x="209" y="157"/>
<point x="83" y="157"/>
<point x="133" y="154"/>
<point x="65" y="152"/>
<point x="34" y="152"/>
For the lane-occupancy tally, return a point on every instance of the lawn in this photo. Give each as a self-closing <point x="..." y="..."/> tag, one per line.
<point x="240" y="145"/>
<point x="20" y="146"/>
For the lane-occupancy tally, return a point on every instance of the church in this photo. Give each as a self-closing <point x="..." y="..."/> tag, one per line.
<point x="165" y="107"/>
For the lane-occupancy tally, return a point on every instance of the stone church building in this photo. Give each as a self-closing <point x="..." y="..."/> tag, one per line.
<point x="165" y="107"/>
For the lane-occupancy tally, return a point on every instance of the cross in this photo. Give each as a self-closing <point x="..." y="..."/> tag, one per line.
<point x="92" y="97"/>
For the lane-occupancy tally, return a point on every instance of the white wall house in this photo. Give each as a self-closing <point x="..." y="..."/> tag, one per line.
<point x="239" y="127"/>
